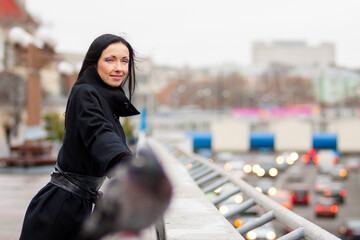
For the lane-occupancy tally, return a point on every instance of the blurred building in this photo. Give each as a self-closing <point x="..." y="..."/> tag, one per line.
<point x="331" y="85"/>
<point x="12" y="13"/>
<point x="293" y="53"/>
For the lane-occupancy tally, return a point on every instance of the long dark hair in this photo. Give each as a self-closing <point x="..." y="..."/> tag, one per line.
<point x="95" y="50"/>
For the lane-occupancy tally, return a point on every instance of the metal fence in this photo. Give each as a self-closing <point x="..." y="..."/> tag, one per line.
<point x="209" y="177"/>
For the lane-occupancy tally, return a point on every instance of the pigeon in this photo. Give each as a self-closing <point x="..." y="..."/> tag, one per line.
<point x="135" y="197"/>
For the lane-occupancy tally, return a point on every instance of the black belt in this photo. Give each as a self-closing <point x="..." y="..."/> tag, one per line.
<point x="81" y="185"/>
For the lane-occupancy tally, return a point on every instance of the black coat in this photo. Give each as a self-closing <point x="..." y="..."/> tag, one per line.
<point x="94" y="141"/>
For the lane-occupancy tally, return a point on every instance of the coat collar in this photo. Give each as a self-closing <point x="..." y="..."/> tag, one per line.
<point x="115" y="96"/>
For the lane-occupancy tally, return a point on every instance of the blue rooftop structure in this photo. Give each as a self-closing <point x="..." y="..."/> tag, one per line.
<point x="264" y="140"/>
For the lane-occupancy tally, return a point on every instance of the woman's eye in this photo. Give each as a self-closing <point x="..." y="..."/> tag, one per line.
<point x="126" y="61"/>
<point x="108" y="59"/>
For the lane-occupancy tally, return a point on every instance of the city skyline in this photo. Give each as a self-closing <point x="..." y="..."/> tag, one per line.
<point x="203" y="33"/>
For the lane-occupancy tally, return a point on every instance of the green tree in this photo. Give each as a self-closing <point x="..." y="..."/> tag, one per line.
<point x="55" y="125"/>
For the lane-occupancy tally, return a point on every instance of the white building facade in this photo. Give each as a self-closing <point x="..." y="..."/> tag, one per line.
<point x="294" y="53"/>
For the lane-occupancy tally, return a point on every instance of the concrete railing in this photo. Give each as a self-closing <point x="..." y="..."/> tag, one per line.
<point x="193" y="216"/>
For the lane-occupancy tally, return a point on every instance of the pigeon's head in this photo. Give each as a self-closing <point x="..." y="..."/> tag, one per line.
<point x="146" y="169"/>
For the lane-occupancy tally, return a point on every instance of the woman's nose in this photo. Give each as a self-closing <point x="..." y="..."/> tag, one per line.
<point x="118" y="66"/>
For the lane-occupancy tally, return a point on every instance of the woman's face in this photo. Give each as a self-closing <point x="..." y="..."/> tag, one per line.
<point x="113" y="64"/>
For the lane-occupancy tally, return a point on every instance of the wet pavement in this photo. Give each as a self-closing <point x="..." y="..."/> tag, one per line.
<point x="18" y="186"/>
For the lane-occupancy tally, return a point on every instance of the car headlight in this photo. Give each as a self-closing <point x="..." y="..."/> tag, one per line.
<point x="256" y="168"/>
<point x="227" y="166"/>
<point x="290" y="161"/>
<point x="294" y="156"/>
<point x="239" y="198"/>
<point x="273" y="172"/>
<point x="251" y="235"/>
<point x="272" y="191"/>
<point x="258" y="189"/>
<point x="218" y="190"/>
<point x="223" y="209"/>
<point x="247" y="168"/>
<point x="270" y="235"/>
<point x="261" y="172"/>
<point x="279" y="160"/>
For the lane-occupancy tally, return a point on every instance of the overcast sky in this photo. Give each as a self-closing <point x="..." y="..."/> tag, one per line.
<point x="203" y="32"/>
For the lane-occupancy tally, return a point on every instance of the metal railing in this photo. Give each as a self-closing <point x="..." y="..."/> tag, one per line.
<point x="208" y="176"/>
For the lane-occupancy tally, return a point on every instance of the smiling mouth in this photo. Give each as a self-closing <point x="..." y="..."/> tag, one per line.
<point x="117" y="77"/>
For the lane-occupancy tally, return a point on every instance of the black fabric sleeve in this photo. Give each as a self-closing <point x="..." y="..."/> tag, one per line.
<point x="123" y="159"/>
<point x="99" y="137"/>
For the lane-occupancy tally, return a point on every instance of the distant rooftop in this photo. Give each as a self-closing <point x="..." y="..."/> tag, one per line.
<point x="12" y="13"/>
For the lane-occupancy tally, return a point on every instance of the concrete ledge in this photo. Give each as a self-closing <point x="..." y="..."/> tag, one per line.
<point x="191" y="215"/>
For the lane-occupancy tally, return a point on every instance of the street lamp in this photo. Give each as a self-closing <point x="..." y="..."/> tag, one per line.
<point x="33" y="53"/>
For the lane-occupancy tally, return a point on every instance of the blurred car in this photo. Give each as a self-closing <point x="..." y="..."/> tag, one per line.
<point x="335" y="190"/>
<point x="280" y="161"/>
<point x="326" y="160"/>
<point x="321" y="182"/>
<point x="350" y="228"/>
<point x="326" y="207"/>
<point x="251" y="166"/>
<point x="267" y="167"/>
<point x="352" y="164"/>
<point x="295" y="174"/>
<point x="266" y="231"/>
<point x="338" y="171"/>
<point x="300" y="193"/>
<point x="283" y="197"/>
<point x="266" y="186"/>
<point x="286" y="159"/>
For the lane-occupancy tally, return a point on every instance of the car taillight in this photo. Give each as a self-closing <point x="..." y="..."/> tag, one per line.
<point x="305" y="158"/>
<point x="316" y="159"/>
<point x="318" y="208"/>
<point x="293" y="197"/>
<point x="307" y="198"/>
<point x="334" y="208"/>
<point x="343" y="193"/>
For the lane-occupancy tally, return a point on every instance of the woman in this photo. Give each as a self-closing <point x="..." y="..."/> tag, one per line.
<point x="94" y="142"/>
